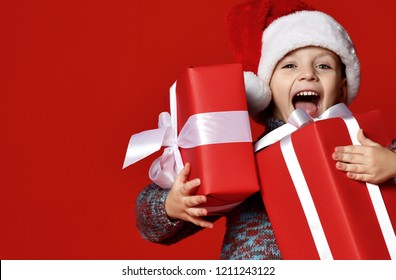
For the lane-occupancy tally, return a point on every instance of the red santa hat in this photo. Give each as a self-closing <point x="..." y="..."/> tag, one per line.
<point x="262" y="32"/>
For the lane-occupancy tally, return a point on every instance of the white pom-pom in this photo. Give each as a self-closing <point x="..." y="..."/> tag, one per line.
<point x="257" y="94"/>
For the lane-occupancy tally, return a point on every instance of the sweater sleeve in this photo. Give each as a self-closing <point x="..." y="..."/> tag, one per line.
<point x="392" y="147"/>
<point x="154" y="224"/>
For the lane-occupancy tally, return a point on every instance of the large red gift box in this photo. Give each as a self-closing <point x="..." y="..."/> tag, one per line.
<point x="227" y="171"/>
<point x="344" y="207"/>
<point x="209" y="127"/>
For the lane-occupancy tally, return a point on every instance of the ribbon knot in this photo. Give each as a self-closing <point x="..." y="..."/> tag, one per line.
<point x="164" y="121"/>
<point x="299" y="118"/>
<point x="164" y="169"/>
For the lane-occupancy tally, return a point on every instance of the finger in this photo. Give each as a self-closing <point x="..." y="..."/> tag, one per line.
<point x="200" y="222"/>
<point x="182" y="177"/>
<point x="364" y="140"/>
<point x="193" y="201"/>
<point x="354" y="168"/>
<point x="352" y="149"/>
<point x="350" y="158"/>
<point x="360" y="177"/>
<point x="190" y="187"/>
<point x="197" y="212"/>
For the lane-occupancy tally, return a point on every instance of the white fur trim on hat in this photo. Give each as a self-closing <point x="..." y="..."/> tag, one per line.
<point x="255" y="92"/>
<point x="301" y="29"/>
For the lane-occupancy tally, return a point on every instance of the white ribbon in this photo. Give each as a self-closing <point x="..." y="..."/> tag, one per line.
<point x="200" y="129"/>
<point x="298" y="119"/>
<point x="306" y="200"/>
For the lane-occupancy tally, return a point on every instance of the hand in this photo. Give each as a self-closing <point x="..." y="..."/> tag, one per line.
<point x="181" y="202"/>
<point x="369" y="162"/>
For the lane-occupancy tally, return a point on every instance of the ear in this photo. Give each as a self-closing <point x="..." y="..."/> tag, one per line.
<point x="343" y="91"/>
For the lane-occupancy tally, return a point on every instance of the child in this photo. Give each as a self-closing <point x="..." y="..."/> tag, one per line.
<point x="303" y="59"/>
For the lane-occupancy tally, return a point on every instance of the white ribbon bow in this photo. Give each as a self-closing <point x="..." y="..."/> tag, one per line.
<point x="298" y="119"/>
<point x="200" y="129"/>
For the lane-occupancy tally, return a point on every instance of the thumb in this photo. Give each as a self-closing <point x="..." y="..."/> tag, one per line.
<point x="364" y="140"/>
<point x="182" y="177"/>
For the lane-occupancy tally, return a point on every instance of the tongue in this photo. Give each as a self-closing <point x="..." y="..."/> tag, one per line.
<point x="308" y="107"/>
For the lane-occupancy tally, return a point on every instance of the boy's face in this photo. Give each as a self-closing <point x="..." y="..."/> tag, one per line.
<point x="309" y="78"/>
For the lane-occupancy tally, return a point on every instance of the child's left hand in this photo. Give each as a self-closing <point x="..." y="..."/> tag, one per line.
<point x="369" y="162"/>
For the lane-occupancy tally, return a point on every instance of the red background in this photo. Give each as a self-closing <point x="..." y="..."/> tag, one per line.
<point x="79" y="77"/>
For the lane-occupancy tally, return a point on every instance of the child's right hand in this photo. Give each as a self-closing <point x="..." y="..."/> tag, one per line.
<point x="181" y="202"/>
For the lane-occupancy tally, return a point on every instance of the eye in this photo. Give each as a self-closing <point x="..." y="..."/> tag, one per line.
<point x="323" y="66"/>
<point x="288" y="66"/>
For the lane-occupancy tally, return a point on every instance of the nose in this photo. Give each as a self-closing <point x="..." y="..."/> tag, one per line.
<point x="307" y="74"/>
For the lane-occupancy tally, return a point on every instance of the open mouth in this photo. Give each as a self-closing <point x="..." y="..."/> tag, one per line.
<point x="308" y="101"/>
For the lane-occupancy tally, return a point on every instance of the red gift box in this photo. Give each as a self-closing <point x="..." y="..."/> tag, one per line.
<point x="227" y="170"/>
<point x="344" y="207"/>
<point x="209" y="127"/>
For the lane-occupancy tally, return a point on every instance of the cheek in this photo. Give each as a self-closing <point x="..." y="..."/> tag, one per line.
<point x="280" y="94"/>
<point x="280" y="101"/>
<point x="334" y="93"/>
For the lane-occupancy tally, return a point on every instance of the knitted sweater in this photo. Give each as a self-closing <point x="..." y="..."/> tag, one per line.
<point x="248" y="236"/>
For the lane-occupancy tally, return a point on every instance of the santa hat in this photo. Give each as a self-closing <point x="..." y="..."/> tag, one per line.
<point x="262" y="32"/>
